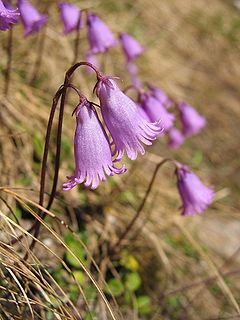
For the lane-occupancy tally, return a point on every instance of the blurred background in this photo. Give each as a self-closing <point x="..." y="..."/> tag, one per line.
<point x="170" y="267"/>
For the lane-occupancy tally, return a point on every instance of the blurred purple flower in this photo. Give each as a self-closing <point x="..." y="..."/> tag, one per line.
<point x="31" y="19"/>
<point x="127" y="127"/>
<point x="91" y="58"/>
<point x="156" y="111"/>
<point x="196" y="197"/>
<point x="92" y="151"/>
<point x="133" y="71"/>
<point x="99" y="35"/>
<point x="70" y="17"/>
<point x="7" y="16"/>
<point x="161" y="96"/>
<point x="131" y="46"/>
<point x="191" y="120"/>
<point x="176" y="138"/>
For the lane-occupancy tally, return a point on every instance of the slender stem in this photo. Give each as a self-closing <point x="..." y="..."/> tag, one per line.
<point x="9" y="61"/>
<point x="77" y="39"/>
<point x="129" y="227"/>
<point x="39" y="57"/>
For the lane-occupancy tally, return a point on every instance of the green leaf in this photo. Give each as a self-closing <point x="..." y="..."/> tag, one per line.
<point x="79" y="276"/>
<point x="143" y="305"/>
<point x="133" y="281"/>
<point x="90" y="293"/>
<point x="77" y="249"/>
<point x="115" y="286"/>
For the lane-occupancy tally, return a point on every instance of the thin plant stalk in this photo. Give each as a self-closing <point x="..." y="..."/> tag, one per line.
<point x="77" y="39"/>
<point x="116" y="246"/>
<point x="9" y="62"/>
<point x="39" y="57"/>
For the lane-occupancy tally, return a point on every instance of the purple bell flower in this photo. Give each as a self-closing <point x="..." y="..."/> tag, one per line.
<point x="156" y="111"/>
<point x="126" y="126"/>
<point x="161" y="96"/>
<point x="99" y="35"/>
<point x="7" y="16"/>
<point x="131" y="46"/>
<point x="31" y="19"/>
<point x="176" y="138"/>
<point x="92" y="151"/>
<point x="191" y="120"/>
<point x="196" y="197"/>
<point x="70" y="17"/>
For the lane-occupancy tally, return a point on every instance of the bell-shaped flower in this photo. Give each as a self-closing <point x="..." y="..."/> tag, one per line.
<point x="192" y="121"/>
<point x="195" y="196"/>
<point x="92" y="151"/>
<point x="131" y="47"/>
<point x="31" y="18"/>
<point x="176" y="138"/>
<point x="99" y="35"/>
<point x="156" y="111"/>
<point x="7" y="16"/>
<point x="70" y="15"/>
<point x="161" y="96"/>
<point x="125" y="124"/>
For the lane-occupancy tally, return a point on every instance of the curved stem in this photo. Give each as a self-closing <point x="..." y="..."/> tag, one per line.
<point x="115" y="247"/>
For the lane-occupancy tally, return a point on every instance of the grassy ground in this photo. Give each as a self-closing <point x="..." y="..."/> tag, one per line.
<point x="171" y="268"/>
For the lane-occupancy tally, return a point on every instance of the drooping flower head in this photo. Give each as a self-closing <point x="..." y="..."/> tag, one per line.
<point x="125" y="124"/>
<point x="7" y="16"/>
<point x="156" y="111"/>
<point x="161" y="96"/>
<point x="191" y="120"/>
<point x="131" y="46"/>
<point x="99" y="35"/>
<point x="31" y="18"/>
<point x="196" y="197"/>
<point x="70" y="15"/>
<point x="176" y="138"/>
<point x="92" y="151"/>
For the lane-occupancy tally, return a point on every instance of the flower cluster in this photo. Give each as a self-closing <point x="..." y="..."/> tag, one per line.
<point x="94" y="155"/>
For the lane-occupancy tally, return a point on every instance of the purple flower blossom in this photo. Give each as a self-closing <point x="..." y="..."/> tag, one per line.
<point x="99" y="35"/>
<point x="133" y="71"/>
<point x="70" y="15"/>
<point x="161" y="96"/>
<point x="131" y="46"/>
<point x="31" y="19"/>
<point x="191" y="120"/>
<point x="7" y="16"/>
<point x="176" y="138"/>
<point x="156" y="111"/>
<point x="93" y="157"/>
<point x="196" y="197"/>
<point x="128" y="129"/>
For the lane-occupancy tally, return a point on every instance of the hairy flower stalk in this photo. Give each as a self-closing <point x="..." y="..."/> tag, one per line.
<point x="8" y="17"/>
<point x="196" y="197"/>
<point x="125" y="124"/>
<point x="93" y="157"/>
<point x="31" y="18"/>
<point x="99" y="35"/>
<point x="192" y="121"/>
